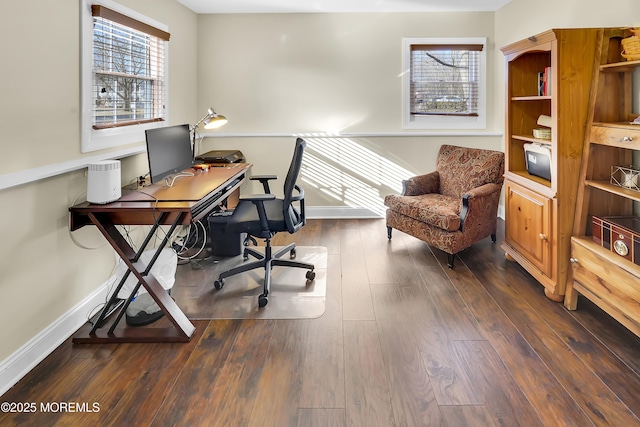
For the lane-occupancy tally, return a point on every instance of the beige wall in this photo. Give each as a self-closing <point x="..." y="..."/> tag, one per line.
<point x="316" y="72"/>
<point x="286" y="74"/>
<point x="43" y="272"/>
<point x="522" y="18"/>
<point x="270" y="74"/>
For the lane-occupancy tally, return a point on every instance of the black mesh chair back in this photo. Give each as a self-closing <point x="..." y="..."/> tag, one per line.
<point x="294" y="218"/>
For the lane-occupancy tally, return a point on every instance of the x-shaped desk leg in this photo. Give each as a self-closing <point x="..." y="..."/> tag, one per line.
<point x="183" y="328"/>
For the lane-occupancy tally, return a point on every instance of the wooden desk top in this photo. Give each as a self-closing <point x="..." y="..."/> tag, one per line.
<point x="189" y="194"/>
<point x="187" y="188"/>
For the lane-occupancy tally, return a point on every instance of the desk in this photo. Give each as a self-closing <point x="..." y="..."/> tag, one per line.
<point x="191" y="198"/>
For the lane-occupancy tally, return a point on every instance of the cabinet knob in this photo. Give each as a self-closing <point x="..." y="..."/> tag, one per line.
<point x="627" y="138"/>
<point x="573" y="260"/>
<point x="542" y="236"/>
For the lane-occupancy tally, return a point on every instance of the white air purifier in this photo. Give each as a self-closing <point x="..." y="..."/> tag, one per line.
<point x="103" y="183"/>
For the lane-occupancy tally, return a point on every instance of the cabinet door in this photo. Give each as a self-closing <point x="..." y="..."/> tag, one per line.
<point x="528" y="225"/>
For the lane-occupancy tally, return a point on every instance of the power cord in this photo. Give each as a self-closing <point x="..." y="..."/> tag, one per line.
<point x="190" y="241"/>
<point x="171" y="179"/>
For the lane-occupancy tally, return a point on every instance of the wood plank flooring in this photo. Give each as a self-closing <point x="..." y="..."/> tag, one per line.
<point x="404" y="341"/>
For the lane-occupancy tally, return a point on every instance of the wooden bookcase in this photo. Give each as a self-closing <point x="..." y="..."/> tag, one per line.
<point x="540" y="212"/>
<point x="599" y="274"/>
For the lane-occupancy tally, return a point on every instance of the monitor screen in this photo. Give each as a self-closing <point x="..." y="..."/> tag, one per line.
<point x="168" y="150"/>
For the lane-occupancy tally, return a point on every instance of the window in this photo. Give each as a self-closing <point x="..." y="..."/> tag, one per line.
<point x="444" y="83"/>
<point x="123" y="75"/>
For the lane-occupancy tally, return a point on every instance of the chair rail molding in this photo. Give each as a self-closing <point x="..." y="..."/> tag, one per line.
<point x="26" y="176"/>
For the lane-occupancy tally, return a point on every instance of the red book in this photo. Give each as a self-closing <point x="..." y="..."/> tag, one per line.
<point x="547" y="81"/>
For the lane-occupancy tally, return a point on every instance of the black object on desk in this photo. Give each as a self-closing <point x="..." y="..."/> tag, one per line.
<point x="221" y="156"/>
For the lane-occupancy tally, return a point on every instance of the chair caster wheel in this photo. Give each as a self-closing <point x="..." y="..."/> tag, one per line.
<point x="245" y="257"/>
<point x="292" y="253"/>
<point x="218" y="284"/>
<point x="311" y="275"/>
<point x="262" y="300"/>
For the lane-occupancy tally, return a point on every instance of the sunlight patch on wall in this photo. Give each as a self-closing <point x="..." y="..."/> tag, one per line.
<point x="346" y="171"/>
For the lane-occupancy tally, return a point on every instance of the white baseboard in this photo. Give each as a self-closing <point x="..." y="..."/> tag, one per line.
<point x="345" y="212"/>
<point x="16" y="366"/>
<point x="339" y="212"/>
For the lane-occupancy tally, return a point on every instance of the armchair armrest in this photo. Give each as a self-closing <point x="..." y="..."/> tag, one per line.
<point x="421" y="184"/>
<point x="479" y="202"/>
<point x="264" y="179"/>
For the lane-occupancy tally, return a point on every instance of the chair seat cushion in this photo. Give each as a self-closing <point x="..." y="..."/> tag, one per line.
<point x="436" y="209"/>
<point x="245" y="218"/>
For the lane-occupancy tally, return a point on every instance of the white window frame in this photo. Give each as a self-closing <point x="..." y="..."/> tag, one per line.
<point x="414" y="121"/>
<point x="99" y="139"/>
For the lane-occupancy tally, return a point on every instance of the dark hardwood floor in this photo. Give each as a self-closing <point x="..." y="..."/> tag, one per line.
<point x="404" y="341"/>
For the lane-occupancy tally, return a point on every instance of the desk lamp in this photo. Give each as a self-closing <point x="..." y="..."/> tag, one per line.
<point x="212" y="120"/>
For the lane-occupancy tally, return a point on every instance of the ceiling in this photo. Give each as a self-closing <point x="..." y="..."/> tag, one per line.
<point x="326" y="6"/>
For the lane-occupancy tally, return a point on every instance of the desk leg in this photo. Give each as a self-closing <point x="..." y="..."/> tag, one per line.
<point x="183" y="328"/>
<point x="114" y="296"/>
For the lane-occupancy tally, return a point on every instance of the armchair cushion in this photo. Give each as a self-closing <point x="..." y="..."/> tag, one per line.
<point x="435" y="209"/>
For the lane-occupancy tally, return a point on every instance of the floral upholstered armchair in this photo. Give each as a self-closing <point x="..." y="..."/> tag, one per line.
<point x="454" y="206"/>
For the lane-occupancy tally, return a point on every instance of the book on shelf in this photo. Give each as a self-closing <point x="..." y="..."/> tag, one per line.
<point x="541" y="84"/>
<point x="544" y="82"/>
<point x="548" y="84"/>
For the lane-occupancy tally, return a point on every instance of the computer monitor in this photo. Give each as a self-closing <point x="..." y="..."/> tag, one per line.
<point x="168" y="150"/>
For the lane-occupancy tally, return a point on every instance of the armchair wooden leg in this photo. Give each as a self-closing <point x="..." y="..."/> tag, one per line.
<point x="450" y="259"/>
<point x="389" y="232"/>
<point x="494" y="237"/>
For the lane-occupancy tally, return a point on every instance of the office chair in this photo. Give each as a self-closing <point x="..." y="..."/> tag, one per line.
<point x="262" y="216"/>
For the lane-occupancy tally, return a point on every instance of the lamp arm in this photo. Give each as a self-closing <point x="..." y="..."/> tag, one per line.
<point x="194" y="130"/>
<point x="210" y="114"/>
<point x="194" y="127"/>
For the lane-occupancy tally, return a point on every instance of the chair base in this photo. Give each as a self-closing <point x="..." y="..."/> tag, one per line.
<point x="267" y="261"/>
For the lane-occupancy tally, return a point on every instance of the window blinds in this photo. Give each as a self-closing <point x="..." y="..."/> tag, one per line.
<point x="445" y="79"/>
<point x="128" y="70"/>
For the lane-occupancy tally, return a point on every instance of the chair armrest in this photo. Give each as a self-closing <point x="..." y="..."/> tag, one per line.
<point x="300" y="195"/>
<point x="300" y="199"/>
<point x="257" y="197"/>
<point x="264" y="179"/>
<point x="478" y="201"/>
<point x="421" y="184"/>
<point x="258" y="200"/>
